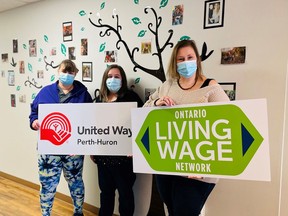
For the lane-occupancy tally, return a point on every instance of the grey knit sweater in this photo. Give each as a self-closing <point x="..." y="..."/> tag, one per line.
<point x="210" y="93"/>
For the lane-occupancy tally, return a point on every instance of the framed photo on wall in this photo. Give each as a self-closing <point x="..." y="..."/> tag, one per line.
<point x="214" y="13"/>
<point x="230" y="89"/>
<point x="67" y="31"/>
<point x="87" y="72"/>
<point x="11" y="78"/>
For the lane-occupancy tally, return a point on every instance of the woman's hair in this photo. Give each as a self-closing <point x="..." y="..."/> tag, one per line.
<point x="172" y="67"/>
<point x="104" y="91"/>
<point x="217" y="8"/>
<point x="68" y="66"/>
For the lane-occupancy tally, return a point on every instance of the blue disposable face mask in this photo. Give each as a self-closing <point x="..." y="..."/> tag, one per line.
<point x="187" y="68"/>
<point x="113" y="84"/>
<point x="66" y="79"/>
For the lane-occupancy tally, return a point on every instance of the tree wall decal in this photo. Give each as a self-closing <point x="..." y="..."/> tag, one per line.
<point x="204" y="51"/>
<point x="32" y="83"/>
<point x="47" y="64"/>
<point x="159" y="72"/>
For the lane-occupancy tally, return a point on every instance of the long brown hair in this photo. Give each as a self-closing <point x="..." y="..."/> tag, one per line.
<point x="172" y="67"/>
<point x="104" y="91"/>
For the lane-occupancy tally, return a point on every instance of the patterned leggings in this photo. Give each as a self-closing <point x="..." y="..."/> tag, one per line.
<point x="50" y="168"/>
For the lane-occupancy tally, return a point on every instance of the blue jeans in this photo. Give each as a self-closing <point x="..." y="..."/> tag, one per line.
<point x="50" y="169"/>
<point x="115" y="177"/>
<point x="183" y="196"/>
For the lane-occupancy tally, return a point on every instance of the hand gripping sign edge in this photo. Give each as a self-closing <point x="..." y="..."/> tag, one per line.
<point x="55" y="128"/>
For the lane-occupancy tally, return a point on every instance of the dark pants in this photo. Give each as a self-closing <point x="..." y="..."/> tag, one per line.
<point x="121" y="178"/>
<point x="183" y="196"/>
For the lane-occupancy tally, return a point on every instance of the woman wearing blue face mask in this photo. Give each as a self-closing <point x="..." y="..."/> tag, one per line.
<point x="116" y="172"/>
<point x="65" y="90"/>
<point x="186" y="84"/>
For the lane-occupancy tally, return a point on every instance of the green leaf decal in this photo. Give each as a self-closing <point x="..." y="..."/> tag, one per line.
<point x="102" y="5"/>
<point x="102" y="47"/>
<point x="185" y="37"/>
<point x="46" y="38"/>
<point x="18" y="88"/>
<point x="63" y="49"/>
<point x="33" y="96"/>
<point x="163" y="3"/>
<point x="52" y="78"/>
<point x="141" y="33"/>
<point x="136" y="20"/>
<point x="24" y="46"/>
<point x="136" y="1"/>
<point x="41" y="51"/>
<point x="29" y="67"/>
<point x="82" y="29"/>
<point x="40" y="59"/>
<point x="137" y="80"/>
<point x="82" y="13"/>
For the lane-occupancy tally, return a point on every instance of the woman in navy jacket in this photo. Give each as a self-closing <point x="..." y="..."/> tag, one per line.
<point x="64" y="90"/>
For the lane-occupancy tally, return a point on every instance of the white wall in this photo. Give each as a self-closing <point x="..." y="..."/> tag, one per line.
<point x="261" y="26"/>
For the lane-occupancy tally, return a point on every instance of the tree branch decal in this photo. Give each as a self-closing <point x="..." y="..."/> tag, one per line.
<point x="204" y="51"/>
<point x="49" y="64"/>
<point x="33" y="83"/>
<point x="159" y="72"/>
<point x="13" y="63"/>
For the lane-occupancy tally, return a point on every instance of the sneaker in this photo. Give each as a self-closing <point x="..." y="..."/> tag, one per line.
<point x="78" y="214"/>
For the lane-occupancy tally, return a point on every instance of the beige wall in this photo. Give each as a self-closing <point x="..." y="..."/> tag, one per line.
<point x="261" y="26"/>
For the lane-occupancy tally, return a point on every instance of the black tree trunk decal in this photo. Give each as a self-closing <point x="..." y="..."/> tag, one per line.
<point x="158" y="72"/>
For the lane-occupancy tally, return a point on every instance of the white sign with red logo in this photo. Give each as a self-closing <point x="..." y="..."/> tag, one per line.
<point x="86" y="128"/>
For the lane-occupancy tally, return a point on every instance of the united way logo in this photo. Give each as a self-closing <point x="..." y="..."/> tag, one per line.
<point x="55" y="128"/>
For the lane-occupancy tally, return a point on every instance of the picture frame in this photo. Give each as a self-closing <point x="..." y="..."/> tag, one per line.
<point x="84" y="47"/>
<point x="110" y="56"/>
<point x="67" y="31"/>
<point x="233" y="55"/>
<point x="15" y="45"/>
<point x="5" y="57"/>
<point x="11" y="78"/>
<point x="13" y="100"/>
<point x="214" y="13"/>
<point x="177" y="14"/>
<point x="230" y="89"/>
<point x="33" y="48"/>
<point x="87" y="72"/>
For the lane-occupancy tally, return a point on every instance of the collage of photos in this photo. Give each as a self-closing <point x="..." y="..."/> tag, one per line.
<point x="213" y="17"/>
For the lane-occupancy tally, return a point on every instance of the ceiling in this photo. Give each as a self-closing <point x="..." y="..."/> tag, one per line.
<point x="11" y="4"/>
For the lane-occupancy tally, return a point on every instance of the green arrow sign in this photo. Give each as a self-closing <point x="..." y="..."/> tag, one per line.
<point x="216" y="140"/>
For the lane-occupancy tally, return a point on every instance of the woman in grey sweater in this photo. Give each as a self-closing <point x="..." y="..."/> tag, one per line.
<point x="186" y="84"/>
